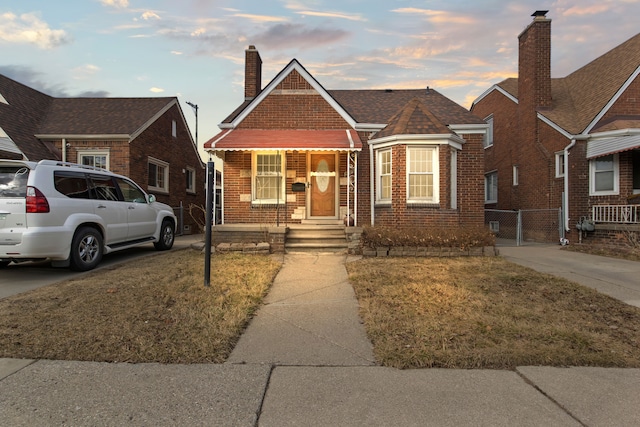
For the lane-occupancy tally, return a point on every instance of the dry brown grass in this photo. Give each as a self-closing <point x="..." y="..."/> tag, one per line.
<point x="151" y="310"/>
<point x="488" y="313"/>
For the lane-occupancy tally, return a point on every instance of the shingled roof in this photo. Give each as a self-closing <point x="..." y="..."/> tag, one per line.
<point x="414" y="119"/>
<point x="101" y="116"/>
<point x="20" y="119"/>
<point x="378" y="106"/>
<point x="578" y="98"/>
<point x="29" y="114"/>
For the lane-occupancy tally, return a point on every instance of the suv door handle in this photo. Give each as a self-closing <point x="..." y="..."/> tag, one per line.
<point x="132" y="207"/>
<point x="102" y="207"/>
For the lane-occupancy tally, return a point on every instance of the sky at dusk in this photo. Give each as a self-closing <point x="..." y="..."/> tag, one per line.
<point x="194" y="49"/>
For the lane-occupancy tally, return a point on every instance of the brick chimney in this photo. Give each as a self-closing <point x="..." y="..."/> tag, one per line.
<point x="534" y="62"/>
<point x="252" y="73"/>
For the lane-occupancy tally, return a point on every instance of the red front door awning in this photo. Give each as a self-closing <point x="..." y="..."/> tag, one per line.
<point x="284" y="139"/>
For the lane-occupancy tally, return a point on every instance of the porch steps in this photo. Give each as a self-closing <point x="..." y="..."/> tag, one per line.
<point x="316" y="238"/>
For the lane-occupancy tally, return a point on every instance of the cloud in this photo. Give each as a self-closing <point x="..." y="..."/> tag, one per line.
<point x="260" y="18"/>
<point x="338" y="15"/>
<point x="33" y="78"/>
<point x="150" y="15"/>
<point x="176" y="52"/>
<point x="94" y="94"/>
<point x="156" y="90"/>
<point x="28" y="28"/>
<point x="299" y="36"/>
<point x="85" y="71"/>
<point x="436" y="16"/>
<point x="582" y="10"/>
<point x="119" y="4"/>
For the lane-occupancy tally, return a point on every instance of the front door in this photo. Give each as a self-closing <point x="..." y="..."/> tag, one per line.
<point x="323" y="184"/>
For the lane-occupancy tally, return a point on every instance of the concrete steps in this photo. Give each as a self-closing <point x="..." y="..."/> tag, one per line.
<point x="316" y="238"/>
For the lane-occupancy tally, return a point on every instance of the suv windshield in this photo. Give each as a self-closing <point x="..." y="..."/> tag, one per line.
<point x="13" y="181"/>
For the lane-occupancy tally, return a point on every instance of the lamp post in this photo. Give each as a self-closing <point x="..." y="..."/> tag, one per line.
<point x="195" y="109"/>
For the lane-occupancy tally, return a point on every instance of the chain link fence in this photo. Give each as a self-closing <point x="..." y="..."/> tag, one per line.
<point x="526" y="226"/>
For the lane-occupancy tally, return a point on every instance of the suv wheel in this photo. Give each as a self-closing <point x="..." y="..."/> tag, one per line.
<point x="86" y="249"/>
<point x="167" y="236"/>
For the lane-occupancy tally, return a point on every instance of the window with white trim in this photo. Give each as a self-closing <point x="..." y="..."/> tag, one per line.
<point x="515" y="175"/>
<point x="422" y="175"/>
<point x="635" y="158"/>
<point x="560" y="164"/>
<point x="158" y="175"/>
<point x="491" y="187"/>
<point x="454" y="178"/>
<point x="190" y="177"/>
<point x="604" y="176"/>
<point x="268" y="177"/>
<point x="174" y="129"/>
<point x="383" y="189"/>
<point x="98" y="159"/>
<point x="488" y="137"/>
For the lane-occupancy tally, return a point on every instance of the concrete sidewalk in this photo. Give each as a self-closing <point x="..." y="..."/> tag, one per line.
<point x="305" y="360"/>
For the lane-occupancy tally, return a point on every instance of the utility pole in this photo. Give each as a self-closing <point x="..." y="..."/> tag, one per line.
<point x="195" y="109"/>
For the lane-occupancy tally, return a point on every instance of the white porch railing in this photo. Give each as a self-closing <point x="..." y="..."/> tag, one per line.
<point x="620" y="214"/>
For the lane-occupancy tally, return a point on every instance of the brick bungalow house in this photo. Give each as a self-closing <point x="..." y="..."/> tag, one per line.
<point x="146" y="139"/>
<point x="571" y="142"/>
<point x="297" y="156"/>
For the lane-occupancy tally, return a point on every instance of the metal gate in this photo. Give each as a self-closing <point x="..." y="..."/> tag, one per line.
<point x="525" y="226"/>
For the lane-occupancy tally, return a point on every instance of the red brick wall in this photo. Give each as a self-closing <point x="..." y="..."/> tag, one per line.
<point x="628" y="104"/>
<point x="131" y="159"/>
<point x="470" y="184"/>
<point x="294" y="105"/>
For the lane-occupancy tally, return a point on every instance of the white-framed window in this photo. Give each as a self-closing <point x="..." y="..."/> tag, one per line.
<point x="190" y="178"/>
<point x="491" y="187"/>
<point x="383" y="189"/>
<point x="268" y="177"/>
<point x="174" y="129"/>
<point x="604" y="176"/>
<point x="515" y="175"/>
<point x="158" y="175"/>
<point x="488" y="137"/>
<point x="454" y="178"/>
<point x="560" y="166"/>
<point x="635" y="158"/>
<point x="422" y="175"/>
<point x="95" y="158"/>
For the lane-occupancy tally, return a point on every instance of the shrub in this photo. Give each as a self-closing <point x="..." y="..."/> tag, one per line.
<point x="462" y="238"/>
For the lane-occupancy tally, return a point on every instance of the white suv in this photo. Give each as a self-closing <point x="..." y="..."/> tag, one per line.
<point x="73" y="214"/>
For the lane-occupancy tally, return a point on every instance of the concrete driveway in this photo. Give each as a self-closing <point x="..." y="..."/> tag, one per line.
<point x="23" y="277"/>
<point x="617" y="278"/>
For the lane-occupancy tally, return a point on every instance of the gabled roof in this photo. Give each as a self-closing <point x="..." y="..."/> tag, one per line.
<point x="371" y="106"/>
<point x="20" y="117"/>
<point x="102" y="116"/>
<point x="248" y="106"/>
<point x="363" y="109"/>
<point x="580" y="99"/>
<point x="29" y="116"/>
<point x="414" y="119"/>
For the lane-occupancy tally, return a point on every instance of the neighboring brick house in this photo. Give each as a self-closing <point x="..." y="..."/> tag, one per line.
<point x="569" y="142"/>
<point x="297" y="153"/>
<point x="146" y="139"/>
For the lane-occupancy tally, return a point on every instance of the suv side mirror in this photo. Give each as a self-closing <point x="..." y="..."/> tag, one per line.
<point x="152" y="198"/>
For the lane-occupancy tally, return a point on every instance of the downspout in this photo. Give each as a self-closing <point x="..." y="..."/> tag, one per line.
<point x="64" y="149"/>
<point x="371" y="185"/>
<point x="566" y="183"/>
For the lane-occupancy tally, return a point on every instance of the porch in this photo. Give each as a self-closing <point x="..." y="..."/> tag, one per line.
<point x="308" y="236"/>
